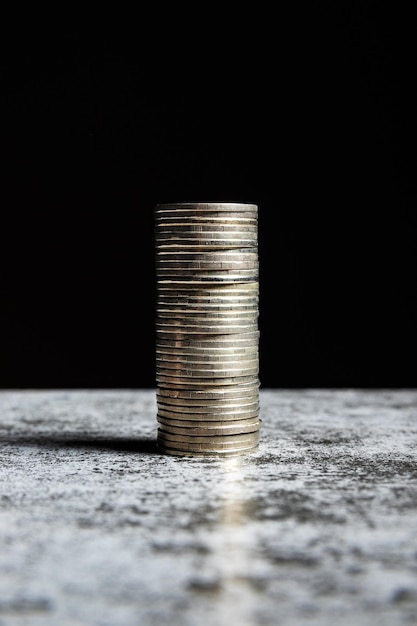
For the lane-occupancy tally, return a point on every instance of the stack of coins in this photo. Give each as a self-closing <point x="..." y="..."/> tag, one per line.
<point x="207" y="336"/>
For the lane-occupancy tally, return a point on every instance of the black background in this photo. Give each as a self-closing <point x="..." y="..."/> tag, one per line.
<point x="307" y="112"/>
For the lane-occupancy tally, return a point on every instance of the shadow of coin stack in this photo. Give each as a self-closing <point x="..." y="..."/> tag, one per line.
<point x="207" y="337"/>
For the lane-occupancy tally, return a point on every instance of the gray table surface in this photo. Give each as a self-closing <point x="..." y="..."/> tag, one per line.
<point x="319" y="526"/>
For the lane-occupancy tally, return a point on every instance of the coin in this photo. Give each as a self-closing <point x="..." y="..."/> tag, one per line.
<point x="244" y="403"/>
<point x="189" y="403"/>
<point x="206" y="206"/>
<point x="203" y="373"/>
<point x="242" y="390"/>
<point x="209" y="417"/>
<point x="192" y="289"/>
<point x="208" y="272"/>
<point x="216" y="354"/>
<point x="201" y="233"/>
<point x="177" y="451"/>
<point x="201" y="318"/>
<point x="209" y="428"/>
<point x="206" y="255"/>
<point x="235" y="340"/>
<point x="213" y="446"/>
<point x="210" y="441"/>
<point x="204" y="361"/>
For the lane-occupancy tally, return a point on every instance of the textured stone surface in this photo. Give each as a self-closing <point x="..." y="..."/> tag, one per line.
<point x="319" y="526"/>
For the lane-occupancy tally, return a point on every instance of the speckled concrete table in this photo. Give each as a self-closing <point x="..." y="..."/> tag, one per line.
<point x="319" y="526"/>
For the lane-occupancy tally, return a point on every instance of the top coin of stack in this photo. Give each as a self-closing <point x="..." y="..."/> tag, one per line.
<point x="207" y="336"/>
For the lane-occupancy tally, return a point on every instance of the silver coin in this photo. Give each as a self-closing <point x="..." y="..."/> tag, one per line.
<point x="250" y="300"/>
<point x="221" y="220"/>
<point x="167" y="241"/>
<point x="184" y="256"/>
<point x="197" y="228"/>
<point x="235" y="389"/>
<point x="210" y="381"/>
<point x="187" y="216"/>
<point x="203" y="377"/>
<point x="215" y="309"/>
<point x="165" y="449"/>
<point x="209" y="293"/>
<point x="177" y="213"/>
<point x="206" y="360"/>
<point x="249" y="303"/>
<point x="204" y="374"/>
<point x="169" y="330"/>
<point x="205" y="308"/>
<point x="202" y="371"/>
<point x="206" y="206"/>
<point x="240" y="411"/>
<point x="206" y="268"/>
<point x="202" y="360"/>
<point x="210" y="428"/>
<point x="207" y="323"/>
<point x="234" y="290"/>
<point x="164" y="365"/>
<point x="207" y="348"/>
<point x="206" y="328"/>
<point x="212" y="356"/>
<point x="195" y="279"/>
<point x="207" y="446"/>
<point x="212" y="341"/>
<point x="186" y="405"/>
<point x="227" y="411"/>
<point x="239" y="219"/>
<point x="191" y="288"/>
<point x="249" y="398"/>
<point x="201" y="232"/>
<point x="216" y="406"/>
<point x="226" y="341"/>
<point x="207" y="255"/>
<point x="210" y="245"/>
<point x="214" y="264"/>
<point x="207" y="246"/>
<point x="205" y="312"/>
<point x="210" y="393"/>
<point x="207" y="318"/>
<point x="213" y="325"/>
<point x="207" y="296"/>
<point x="178" y="253"/>
<point x="212" y="413"/>
<point x="187" y="240"/>
<point x="210" y="441"/>
<point x="211" y="349"/>
<point x="203" y="340"/>
<point x="187" y="333"/>
<point x="249" y="423"/>
<point x="186" y="436"/>
<point x="202" y="431"/>
<point x="215" y="304"/>
<point x="206" y="275"/>
<point x="221" y="416"/>
<point x="203" y="282"/>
